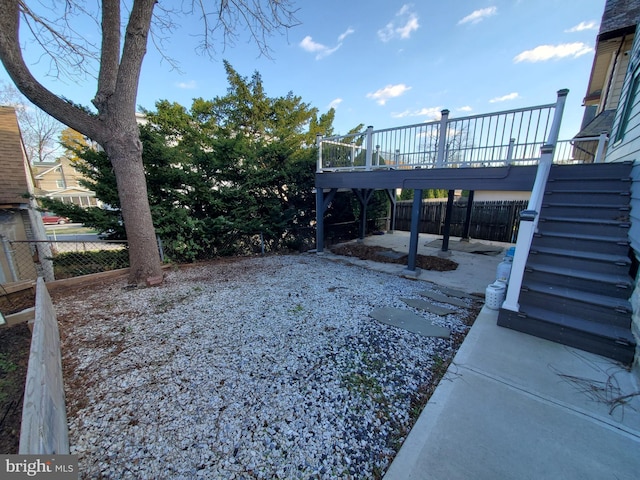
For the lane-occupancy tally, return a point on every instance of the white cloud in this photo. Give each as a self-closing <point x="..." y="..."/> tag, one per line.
<point x="345" y="34"/>
<point x="335" y="103"/>
<point x="321" y="50"/>
<point x="191" y="84"/>
<point x="411" y="25"/>
<point x="430" y="113"/>
<point x="405" y="23"/>
<point x="466" y="108"/>
<point x="505" y="98"/>
<point x="478" y="15"/>
<point x="390" y="91"/>
<point x="543" y="53"/>
<point x="591" y="25"/>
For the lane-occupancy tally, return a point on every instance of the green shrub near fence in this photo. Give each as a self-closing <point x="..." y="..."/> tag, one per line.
<point x="74" y="264"/>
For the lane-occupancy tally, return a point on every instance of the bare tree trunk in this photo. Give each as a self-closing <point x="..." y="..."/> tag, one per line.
<point x="125" y="154"/>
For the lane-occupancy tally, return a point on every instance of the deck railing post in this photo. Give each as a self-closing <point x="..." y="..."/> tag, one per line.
<point x="557" y="117"/>
<point x="369" y="146"/>
<point x="442" y="138"/>
<point x="525" y="235"/>
<point x="602" y="142"/>
<point x="397" y="157"/>
<point x="528" y="225"/>
<point x="512" y="143"/>
<point x="319" y="144"/>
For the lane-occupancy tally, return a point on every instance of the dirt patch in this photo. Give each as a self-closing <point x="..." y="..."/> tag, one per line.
<point x="387" y="255"/>
<point x="14" y="358"/>
<point x="17" y="301"/>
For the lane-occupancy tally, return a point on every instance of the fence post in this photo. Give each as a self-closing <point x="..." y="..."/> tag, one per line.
<point x="369" y="146"/>
<point x="8" y="254"/>
<point x="442" y="138"/>
<point x="160" y="249"/>
<point x="602" y="142"/>
<point x="319" y="144"/>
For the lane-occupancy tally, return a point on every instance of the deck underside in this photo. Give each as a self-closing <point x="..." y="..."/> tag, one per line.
<point x="510" y="178"/>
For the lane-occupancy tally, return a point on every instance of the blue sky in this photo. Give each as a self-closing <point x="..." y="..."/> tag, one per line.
<point x="389" y="63"/>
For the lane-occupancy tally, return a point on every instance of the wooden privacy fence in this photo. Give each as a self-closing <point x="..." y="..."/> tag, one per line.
<point x="495" y="220"/>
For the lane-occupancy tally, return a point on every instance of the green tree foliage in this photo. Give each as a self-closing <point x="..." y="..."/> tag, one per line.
<point x="407" y="194"/>
<point x="221" y="174"/>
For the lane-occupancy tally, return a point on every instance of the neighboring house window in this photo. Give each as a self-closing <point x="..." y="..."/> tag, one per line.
<point x="630" y="100"/>
<point x="60" y="184"/>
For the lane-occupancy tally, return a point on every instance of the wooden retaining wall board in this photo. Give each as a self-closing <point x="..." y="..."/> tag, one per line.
<point x="44" y="428"/>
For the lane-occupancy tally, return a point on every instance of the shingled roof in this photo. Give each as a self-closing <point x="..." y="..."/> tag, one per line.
<point x="14" y="167"/>
<point x="620" y="17"/>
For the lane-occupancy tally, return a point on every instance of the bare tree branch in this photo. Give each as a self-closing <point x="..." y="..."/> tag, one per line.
<point x="69" y="54"/>
<point x="11" y="56"/>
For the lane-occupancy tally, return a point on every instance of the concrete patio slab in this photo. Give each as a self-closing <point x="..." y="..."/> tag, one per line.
<point x="439" y="297"/>
<point x="409" y="321"/>
<point x="427" y="306"/>
<point x="453" y="292"/>
<point x="469" y="247"/>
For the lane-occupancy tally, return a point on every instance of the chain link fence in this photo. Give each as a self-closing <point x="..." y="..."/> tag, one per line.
<point x="26" y="260"/>
<point x="55" y="260"/>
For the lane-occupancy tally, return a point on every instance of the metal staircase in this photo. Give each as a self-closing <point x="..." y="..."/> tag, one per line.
<point x="576" y="283"/>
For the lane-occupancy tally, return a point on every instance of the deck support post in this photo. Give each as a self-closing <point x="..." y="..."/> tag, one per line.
<point x="363" y="195"/>
<point x="391" y="194"/>
<point x="467" y="218"/>
<point x="447" y="221"/>
<point x="415" y="226"/>
<point x="322" y="204"/>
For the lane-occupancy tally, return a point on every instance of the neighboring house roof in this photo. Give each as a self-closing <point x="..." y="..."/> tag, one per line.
<point x="602" y="123"/>
<point x="617" y="29"/>
<point x="620" y="17"/>
<point x="15" y="174"/>
<point x="49" y="167"/>
<point x="70" y="191"/>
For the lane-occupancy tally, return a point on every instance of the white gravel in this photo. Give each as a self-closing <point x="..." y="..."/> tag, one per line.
<point x="256" y="368"/>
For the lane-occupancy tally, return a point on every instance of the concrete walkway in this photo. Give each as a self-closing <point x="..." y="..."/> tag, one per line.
<point x="513" y="406"/>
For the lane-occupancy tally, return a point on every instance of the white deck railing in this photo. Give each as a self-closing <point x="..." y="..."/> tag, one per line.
<point x="512" y="137"/>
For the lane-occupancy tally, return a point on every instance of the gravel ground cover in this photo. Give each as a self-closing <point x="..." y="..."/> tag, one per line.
<point x="266" y="367"/>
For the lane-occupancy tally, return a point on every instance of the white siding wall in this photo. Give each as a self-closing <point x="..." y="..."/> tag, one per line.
<point x="619" y="71"/>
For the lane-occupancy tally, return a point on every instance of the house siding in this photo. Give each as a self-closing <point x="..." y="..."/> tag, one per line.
<point x="627" y="148"/>
<point x="620" y="64"/>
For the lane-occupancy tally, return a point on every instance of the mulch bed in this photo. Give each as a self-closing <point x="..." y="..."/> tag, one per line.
<point x="15" y="343"/>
